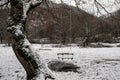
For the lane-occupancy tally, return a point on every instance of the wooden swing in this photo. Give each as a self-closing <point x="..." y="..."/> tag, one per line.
<point x="69" y="55"/>
<point x="65" y="56"/>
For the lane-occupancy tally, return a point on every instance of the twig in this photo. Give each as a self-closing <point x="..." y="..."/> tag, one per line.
<point x="5" y="3"/>
<point x="97" y="3"/>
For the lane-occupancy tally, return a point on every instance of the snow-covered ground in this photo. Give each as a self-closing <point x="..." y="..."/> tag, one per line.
<point x="95" y="63"/>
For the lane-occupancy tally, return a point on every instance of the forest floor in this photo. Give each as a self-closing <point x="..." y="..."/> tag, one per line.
<point x="94" y="63"/>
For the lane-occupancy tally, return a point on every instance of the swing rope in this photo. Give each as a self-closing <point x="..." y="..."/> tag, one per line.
<point x="70" y="27"/>
<point x="63" y="54"/>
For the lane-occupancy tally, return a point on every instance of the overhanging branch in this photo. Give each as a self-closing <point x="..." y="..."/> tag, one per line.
<point x="97" y="3"/>
<point x="4" y="3"/>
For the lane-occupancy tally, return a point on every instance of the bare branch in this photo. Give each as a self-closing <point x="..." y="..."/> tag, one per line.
<point x="4" y="3"/>
<point x="30" y="4"/>
<point x="34" y="3"/>
<point x="97" y="3"/>
<point x="98" y="10"/>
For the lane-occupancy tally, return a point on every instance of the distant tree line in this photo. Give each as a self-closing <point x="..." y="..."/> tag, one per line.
<point x="61" y="23"/>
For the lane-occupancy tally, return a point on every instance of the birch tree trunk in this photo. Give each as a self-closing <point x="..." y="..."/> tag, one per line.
<point x="31" y="61"/>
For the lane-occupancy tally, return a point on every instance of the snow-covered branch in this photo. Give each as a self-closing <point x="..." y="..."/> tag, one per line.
<point x="36" y="2"/>
<point x="30" y="4"/>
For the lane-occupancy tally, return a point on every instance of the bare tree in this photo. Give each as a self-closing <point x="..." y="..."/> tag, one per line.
<point x="77" y="2"/>
<point x="35" y="68"/>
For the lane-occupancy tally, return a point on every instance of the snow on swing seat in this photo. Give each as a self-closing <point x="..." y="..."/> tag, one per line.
<point x="64" y="63"/>
<point x="65" y="56"/>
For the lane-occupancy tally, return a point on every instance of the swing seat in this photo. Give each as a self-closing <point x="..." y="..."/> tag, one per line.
<point x="65" y="56"/>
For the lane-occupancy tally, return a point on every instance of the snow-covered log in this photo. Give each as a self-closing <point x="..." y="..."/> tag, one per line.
<point x="32" y="63"/>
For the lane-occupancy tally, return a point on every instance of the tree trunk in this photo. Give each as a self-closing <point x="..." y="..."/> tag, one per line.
<point x="31" y="61"/>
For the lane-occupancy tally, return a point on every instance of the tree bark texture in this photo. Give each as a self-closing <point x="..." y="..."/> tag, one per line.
<point x="31" y="61"/>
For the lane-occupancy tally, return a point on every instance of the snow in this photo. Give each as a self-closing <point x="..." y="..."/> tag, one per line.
<point x="95" y="63"/>
<point x="10" y="68"/>
<point x="107" y="44"/>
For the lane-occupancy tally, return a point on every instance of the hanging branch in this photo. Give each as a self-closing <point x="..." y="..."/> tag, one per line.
<point x="99" y="4"/>
<point x="5" y="3"/>
<point x="98" y="10"/>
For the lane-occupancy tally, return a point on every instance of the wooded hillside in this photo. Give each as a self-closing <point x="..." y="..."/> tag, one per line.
<point x="61" y="23"/>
